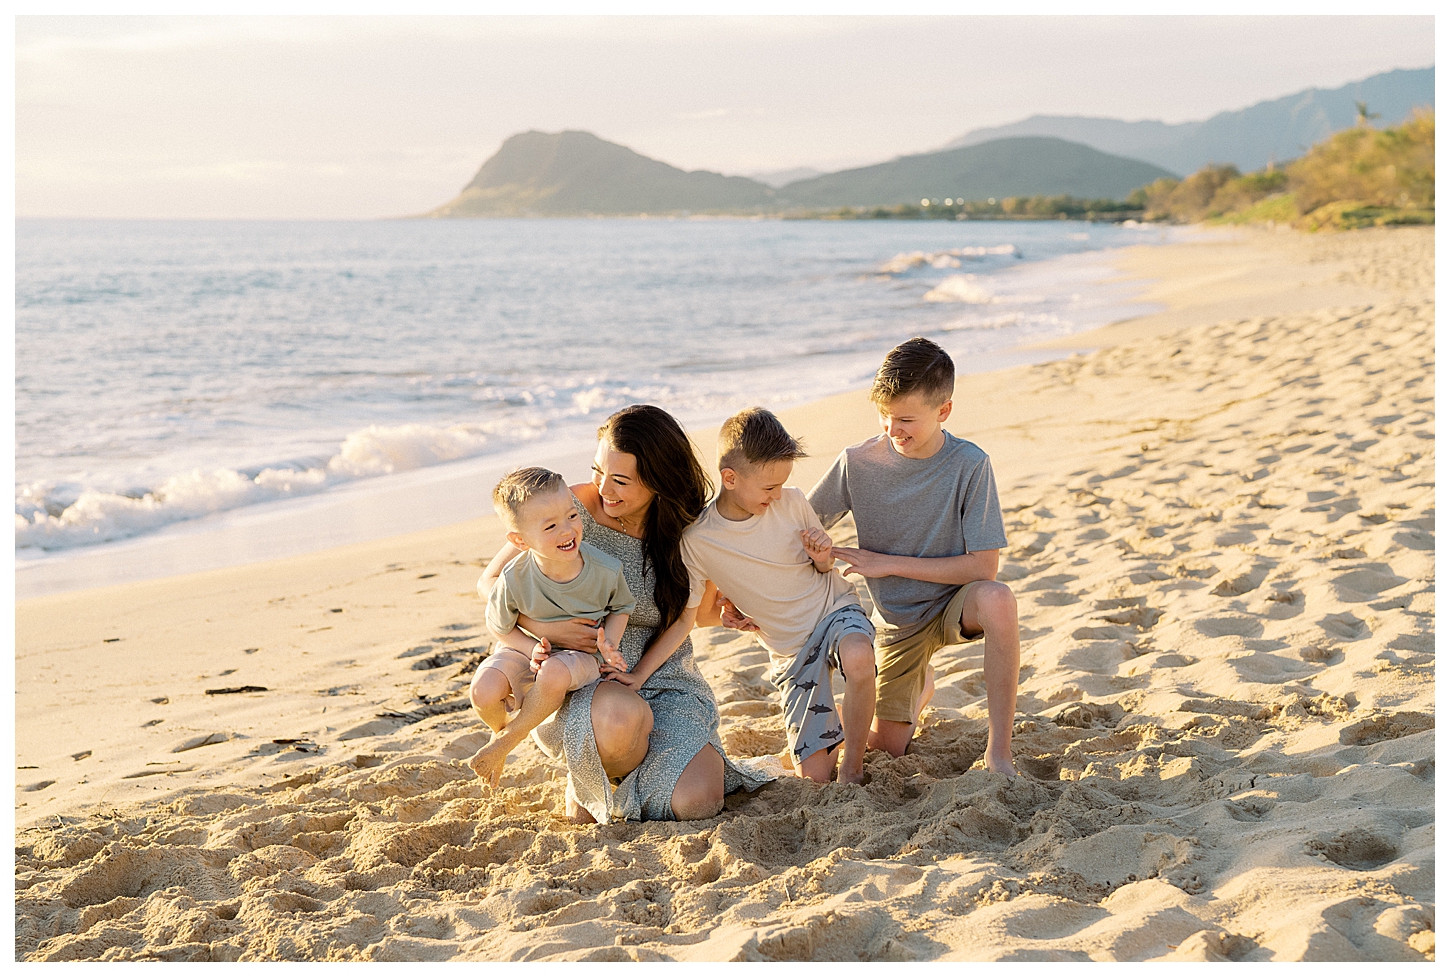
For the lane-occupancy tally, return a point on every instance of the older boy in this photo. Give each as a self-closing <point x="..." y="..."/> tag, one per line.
<point x="558" y="577"/>
<point x="930" y="529"/>
<point x="760" y="543"/>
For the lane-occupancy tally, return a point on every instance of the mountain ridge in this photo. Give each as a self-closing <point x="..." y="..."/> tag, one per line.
<point x="1278" y="129"/>
<point x="1022" y="166"/>
<point x="573" y="172"/>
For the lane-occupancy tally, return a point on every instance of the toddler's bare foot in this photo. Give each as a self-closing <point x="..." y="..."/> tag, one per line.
<point x="488" y="762"/>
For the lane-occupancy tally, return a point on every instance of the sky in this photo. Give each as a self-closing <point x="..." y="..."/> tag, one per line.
<point x="364" y="117"/>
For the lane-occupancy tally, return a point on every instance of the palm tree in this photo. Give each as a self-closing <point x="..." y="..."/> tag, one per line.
<point x="1364" y="113"/>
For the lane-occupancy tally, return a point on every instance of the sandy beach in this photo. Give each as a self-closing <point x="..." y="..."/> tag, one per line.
<point x="1221" y="525"/>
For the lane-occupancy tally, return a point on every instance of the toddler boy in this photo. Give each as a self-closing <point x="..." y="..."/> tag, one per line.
<point x="558" y="577"/>
<point x="760" y="543"/>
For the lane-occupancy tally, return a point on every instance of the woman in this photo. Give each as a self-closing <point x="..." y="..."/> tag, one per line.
<point x="656" y="726"/>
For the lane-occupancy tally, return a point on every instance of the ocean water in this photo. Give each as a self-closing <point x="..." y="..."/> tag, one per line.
<point x="173" y="373"/>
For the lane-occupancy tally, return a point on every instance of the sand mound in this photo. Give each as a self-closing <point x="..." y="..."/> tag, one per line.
<point x="1226" y="729"/>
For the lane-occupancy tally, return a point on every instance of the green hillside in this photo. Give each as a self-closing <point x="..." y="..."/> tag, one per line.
<point x="1024" y="166"/>
<point x="553" y="174"/>
<point x="1360" y="177"/>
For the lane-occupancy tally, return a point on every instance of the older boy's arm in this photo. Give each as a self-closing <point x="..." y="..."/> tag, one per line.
<point x="963" y="569"/>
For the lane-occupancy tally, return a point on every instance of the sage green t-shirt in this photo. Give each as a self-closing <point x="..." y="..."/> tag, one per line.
<point x="598" y="591"/>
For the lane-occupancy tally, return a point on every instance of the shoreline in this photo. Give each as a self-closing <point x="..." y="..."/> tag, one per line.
<point x="376" y="509"/>
<point x="1224" y="567"/>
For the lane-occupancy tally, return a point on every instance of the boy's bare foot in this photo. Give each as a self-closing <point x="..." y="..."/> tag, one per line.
<point x="999" y="761"/>
<point x="857" y="776"/>
<point x="488" y="762"/>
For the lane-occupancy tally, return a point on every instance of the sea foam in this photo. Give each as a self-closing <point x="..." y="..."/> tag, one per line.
<point x="46" y="520"/>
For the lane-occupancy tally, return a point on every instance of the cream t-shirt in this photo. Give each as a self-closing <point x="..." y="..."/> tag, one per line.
<point x="761" y="564"/>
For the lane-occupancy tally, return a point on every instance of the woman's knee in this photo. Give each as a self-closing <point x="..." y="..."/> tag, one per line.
<point x="622" y="723"/>
<point x="618" y="708"/>
<point x="700" y="792"/>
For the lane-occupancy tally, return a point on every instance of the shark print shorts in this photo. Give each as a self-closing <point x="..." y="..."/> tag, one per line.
<point x="811" y="720"/>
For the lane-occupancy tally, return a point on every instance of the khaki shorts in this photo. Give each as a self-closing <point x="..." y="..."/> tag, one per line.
<point x="583" y="669"/>
<point x="901" y="666"/>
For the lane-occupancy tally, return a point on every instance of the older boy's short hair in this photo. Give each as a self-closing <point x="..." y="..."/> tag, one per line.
<point x="518" y="487"/>
<point x="756" y="437"/>
<point x="917" y="366"/>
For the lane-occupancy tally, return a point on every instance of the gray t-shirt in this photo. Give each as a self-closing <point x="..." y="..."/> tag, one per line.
<point x="945" y="505"/>
<point x="598" y="591"/>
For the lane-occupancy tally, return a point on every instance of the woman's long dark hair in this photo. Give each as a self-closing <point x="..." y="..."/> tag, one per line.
<point x="667" y="465"/>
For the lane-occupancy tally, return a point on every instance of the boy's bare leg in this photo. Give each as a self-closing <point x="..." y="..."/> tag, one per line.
<point x="991" y="608"/>
<point x="895" y="737"/>
<point x="820" y="766"/>
<point x="858" y="666"/>
<point x="550" y="686"/>
<point x="488" y="692"/>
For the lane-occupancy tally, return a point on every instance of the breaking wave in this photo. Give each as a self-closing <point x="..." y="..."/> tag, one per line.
<point x="52" y="516"/>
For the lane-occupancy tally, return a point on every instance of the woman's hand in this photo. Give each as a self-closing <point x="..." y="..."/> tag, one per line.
<point x="629" y="680"/>
<point x="576" y="635"/>
<point x="730" y="616"/>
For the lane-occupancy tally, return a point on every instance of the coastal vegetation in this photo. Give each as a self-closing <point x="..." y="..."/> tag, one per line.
<point x="1360" y="177"/>
<point x="1060" y="207"/>
<point x="1018" y="168"/>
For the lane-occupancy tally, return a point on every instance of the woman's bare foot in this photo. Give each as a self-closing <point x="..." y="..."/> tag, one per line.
<point x="576" y="812"/>
<point x="488" y="762"/>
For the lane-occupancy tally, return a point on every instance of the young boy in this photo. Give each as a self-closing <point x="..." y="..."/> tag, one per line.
<point x="558" y="577"/>
<point x="930" y="528"/>
<point x="760" y="543"/>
